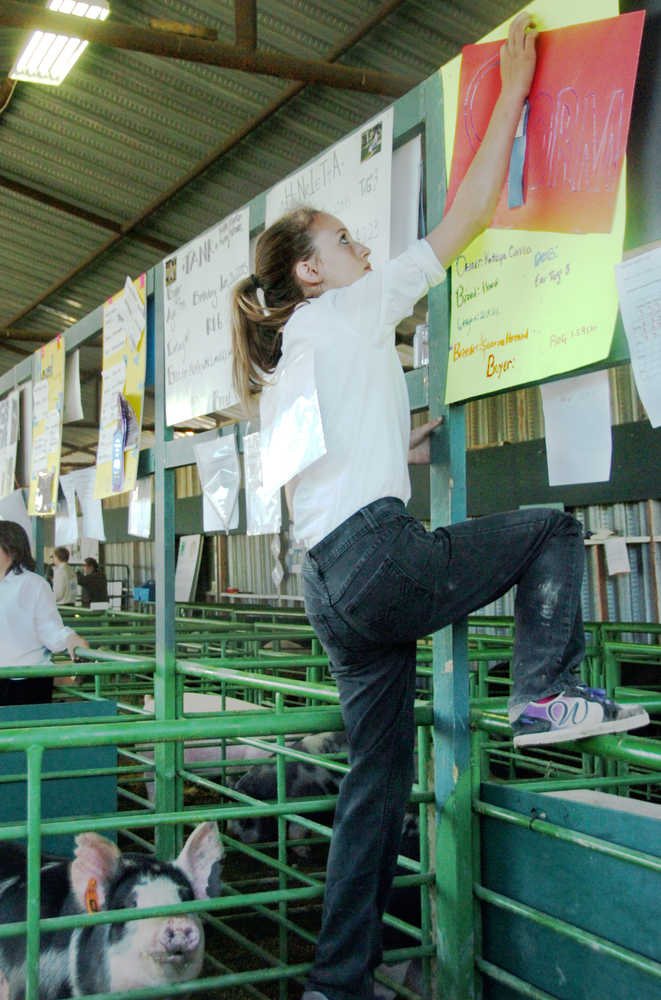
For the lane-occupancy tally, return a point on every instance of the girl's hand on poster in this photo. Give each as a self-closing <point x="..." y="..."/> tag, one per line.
<point x="518" y="58"/>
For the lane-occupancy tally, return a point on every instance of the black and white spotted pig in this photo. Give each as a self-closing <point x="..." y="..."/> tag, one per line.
<point x="104" y="958"/>
<point x="303" y="779"/>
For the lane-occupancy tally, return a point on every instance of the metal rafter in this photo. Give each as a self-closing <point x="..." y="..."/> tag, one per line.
<point x="245" y="24"/>
<point x="69" y="208"/>
<point x="336" y="52"/>
<point x="174" y="45"/>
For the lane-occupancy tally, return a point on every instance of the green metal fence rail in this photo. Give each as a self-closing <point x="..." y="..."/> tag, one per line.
<point x="291" y="886"/>
<point x="527" y="812"/>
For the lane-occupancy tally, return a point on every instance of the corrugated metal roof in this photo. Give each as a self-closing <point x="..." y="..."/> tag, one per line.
<point x="125" y="127"/>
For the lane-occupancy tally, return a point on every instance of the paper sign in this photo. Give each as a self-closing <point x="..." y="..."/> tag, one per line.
<point x="263" y="509"/>
<point x="134" y="313"/>
<point x="66" y="520"/>
<point x="83" y="481"/>
<point x="639" y="284"/>
<point x="527" y="305"/>
<point x="12" y="508"/>
<point x="39" y="400"/>
<point x="47" y="406"/>
<point x="114" y="327"/>
<point x="197" y="285"/>
<point x="212" y="522"/>
<point x="113" y="383"/>
<point x="617" y="556"/>
<point x="578" y="122"/>
<point x="124" y="362"/>
<point x="350" y="180"/>
<point x="9" y="420"/>
<point x="405" y="195"/>
<point x="140" y="507"/>
<point x="73" y="404"/>
<point x="578" y="429"/>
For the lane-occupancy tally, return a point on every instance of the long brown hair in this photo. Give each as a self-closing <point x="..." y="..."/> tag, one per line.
<point x="14" y="542"/>
<point x="257" y="326"/>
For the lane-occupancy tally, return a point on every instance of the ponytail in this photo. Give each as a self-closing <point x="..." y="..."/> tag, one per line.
<point x="263" y="302"/>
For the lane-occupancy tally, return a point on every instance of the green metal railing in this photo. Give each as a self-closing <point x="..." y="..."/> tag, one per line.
<point x="288" y="886"/>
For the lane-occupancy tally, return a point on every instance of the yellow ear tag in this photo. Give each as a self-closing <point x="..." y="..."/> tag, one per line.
<point x="91" y="897"/>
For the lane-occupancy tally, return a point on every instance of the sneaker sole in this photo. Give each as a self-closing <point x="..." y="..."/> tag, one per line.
<point x="579" y="733"/>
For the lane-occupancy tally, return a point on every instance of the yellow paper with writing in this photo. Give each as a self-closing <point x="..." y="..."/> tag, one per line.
<point x="47" y="402"/>
<point x="528" y="305"/>
<point x="124" y="362"/>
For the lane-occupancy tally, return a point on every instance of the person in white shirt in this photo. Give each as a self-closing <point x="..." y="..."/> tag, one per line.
<point x="375" y="580"/>
<point x="31" y="627"/>
<point x="64" y="577"/>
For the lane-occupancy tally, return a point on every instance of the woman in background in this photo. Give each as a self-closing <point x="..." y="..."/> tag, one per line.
<point x="30" y="624"/>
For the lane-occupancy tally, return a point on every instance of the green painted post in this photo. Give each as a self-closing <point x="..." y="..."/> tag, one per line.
<point x="166" y="797"/>
<point x="34" y="758"/>
<point x="454" y="930"/>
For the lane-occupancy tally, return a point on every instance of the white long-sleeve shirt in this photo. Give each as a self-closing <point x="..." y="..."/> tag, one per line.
<point x="361" y="388"/>
<point x="30" y="625"/>
<point x="63" y="583"/>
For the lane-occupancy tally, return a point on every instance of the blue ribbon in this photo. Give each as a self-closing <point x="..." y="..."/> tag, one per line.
<point x="517" y="161"/>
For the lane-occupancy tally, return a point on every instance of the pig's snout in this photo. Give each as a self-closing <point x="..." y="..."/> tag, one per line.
<point x="178" y="939"/>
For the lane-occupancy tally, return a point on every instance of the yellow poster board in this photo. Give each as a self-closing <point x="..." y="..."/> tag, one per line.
<point x="47" y="402"/>
<point x="528" y="305"/>
<point x="124" y="360"/>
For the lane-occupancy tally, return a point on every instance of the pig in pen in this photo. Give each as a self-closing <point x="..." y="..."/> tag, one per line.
<point x="109" y="957"/>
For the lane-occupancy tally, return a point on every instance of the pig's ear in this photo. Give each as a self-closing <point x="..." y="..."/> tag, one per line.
<point x="95" y="858"/>
<point x="201" y="860"/>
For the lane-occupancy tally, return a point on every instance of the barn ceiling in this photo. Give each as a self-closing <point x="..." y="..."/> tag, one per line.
<point x="157" y="133"/>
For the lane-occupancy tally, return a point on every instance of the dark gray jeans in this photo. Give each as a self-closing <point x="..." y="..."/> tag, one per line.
<point x="372" y="587"/>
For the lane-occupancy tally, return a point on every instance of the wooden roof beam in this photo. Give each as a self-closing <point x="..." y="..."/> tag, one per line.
<point x="216" y="154"/>
<point x="245" y="24"/>
<point x="68" y="208"/>
<point x="174" y="45"/>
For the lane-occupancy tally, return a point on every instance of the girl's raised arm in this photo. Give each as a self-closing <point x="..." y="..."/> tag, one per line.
<point x="477" y="196"/>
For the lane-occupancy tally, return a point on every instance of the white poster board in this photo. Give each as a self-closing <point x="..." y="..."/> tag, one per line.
<point x="12" y="508"/>
<point x="350" y="180"/>
<point x="188" y="566"/>
<point x="9" y="414"/>
<point x="639" y="286"/>
<point x="197" y="282"/>
<point x="405" y="199"/>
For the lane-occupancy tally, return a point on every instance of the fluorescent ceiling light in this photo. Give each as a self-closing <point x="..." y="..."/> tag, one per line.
<point x="47" y="57"/>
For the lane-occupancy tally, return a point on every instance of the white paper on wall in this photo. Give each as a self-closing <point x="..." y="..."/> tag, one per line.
<point x="197" y="284"/>
<point x="578" y="429"/>
<point x="13" y="508"/>
<point x="405" y="202"/>
<point x="92" y="510"/>
<point x="140" y="508"/>
<point x="212" y="522"/>
<point x="73" y="404"/>
<point x="220" y="475"/>
<point x="66" y="518"/>
<point x="263" y="508"/>
<point x="9" y="421"/>
<point x="350" y="180"/>
<point x="617" y="556"/>
<point x="639" y="287"/>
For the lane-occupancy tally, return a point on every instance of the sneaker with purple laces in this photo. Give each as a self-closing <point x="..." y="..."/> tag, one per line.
<point x="575" y="713"/>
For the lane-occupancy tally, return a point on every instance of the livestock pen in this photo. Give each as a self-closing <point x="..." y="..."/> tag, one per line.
<point x="262" y="928"/>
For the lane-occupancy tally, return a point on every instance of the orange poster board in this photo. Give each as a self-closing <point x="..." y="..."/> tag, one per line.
<point x="578" y="122"/>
